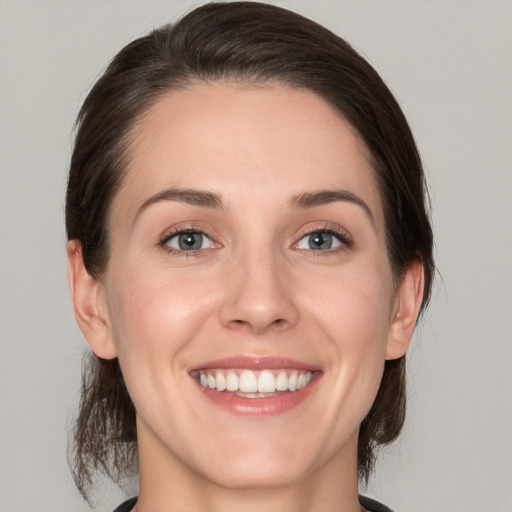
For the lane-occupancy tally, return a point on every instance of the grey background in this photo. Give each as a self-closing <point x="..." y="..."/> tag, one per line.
<point x="449" y="63"/>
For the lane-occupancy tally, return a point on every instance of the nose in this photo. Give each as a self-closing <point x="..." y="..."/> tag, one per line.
<point x="258" y="296"/>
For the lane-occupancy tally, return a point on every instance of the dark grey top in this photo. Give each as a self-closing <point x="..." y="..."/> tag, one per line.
<point x="368" y="504"/>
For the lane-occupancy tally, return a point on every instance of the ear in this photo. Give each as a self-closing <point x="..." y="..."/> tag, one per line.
<point x="90" y="304"/>
<point x="405" y="312"/>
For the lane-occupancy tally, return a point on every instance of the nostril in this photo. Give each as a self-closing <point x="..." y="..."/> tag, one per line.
<point x="278" y="323"/>
<point x="239" y="323"/>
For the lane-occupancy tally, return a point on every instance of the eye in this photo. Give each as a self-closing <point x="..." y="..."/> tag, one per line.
<point x="188" y="241"/>
<point x="322" y="240"/>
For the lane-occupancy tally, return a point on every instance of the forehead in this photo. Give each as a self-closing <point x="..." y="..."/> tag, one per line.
<point x="246" y="142"/>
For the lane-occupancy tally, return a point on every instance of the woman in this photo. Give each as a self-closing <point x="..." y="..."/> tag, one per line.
<point x="249" y="253"/>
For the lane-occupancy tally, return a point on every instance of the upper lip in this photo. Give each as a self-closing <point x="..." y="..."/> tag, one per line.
<point x="253" y="362"/>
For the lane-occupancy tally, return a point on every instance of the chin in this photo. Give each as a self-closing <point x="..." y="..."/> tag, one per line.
<point x="258" y="461"/>
<point x="257" y="474"/>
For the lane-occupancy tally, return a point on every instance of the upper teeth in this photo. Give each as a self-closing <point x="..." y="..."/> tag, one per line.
<point x="248" y="381"/>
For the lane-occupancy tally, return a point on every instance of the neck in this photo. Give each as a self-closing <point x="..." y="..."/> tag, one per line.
<point x="168" y="484"/>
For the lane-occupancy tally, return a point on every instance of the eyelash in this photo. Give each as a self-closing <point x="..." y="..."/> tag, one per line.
<point x="164" y="240"/>
<point x="342" y="236"/>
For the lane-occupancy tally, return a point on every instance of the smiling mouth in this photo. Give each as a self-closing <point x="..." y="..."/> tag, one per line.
<point x="254" y="384"/>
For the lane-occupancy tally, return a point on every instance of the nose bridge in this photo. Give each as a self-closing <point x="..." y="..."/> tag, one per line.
<point x="258" y="295"/>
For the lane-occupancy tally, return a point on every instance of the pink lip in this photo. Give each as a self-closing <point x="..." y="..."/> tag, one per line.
<point x="257" y="363"/>
<point x="264" y="406"/>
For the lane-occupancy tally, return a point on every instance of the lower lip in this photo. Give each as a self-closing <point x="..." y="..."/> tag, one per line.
<point x="260" y="407"/>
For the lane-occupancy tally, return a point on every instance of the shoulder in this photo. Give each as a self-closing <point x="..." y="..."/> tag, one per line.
<point x="127" y="505"/>
<point x="372" y="505"/>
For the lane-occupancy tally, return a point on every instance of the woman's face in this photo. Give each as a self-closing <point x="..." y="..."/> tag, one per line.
<point x="249" y="295"/>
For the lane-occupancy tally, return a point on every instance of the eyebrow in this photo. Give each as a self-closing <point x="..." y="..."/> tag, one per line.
<point x="213" y="200"/>
<point x="321" y="197"/>
<point x="195" y="197"/>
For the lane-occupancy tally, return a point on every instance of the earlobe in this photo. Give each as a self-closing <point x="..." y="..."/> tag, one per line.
<point x="405" y="312"/>
<point x="89" y="302"/>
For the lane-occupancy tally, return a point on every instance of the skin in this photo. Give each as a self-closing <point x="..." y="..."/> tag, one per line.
<point x="255" y="288"/>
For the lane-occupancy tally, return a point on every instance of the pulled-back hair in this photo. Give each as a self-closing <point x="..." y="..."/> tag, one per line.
<point x="251" y="43"/>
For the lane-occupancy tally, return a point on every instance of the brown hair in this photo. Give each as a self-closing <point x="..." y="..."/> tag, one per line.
<point x="255" y="43"/>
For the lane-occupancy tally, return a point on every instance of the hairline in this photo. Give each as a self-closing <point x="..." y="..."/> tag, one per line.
<point x="127" y="141"/>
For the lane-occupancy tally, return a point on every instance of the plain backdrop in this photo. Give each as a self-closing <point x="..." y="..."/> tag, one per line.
<point x="449" y="64"/>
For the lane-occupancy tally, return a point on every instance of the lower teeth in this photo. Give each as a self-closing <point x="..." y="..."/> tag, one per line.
<point x="256" y="395"/>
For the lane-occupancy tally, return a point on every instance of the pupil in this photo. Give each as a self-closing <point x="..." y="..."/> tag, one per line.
<point x="188" y="241"/>
<point x="320" y="241"/>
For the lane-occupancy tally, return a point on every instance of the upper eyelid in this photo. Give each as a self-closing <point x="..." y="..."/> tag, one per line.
<point x="185" y="231"/>
<point x="186" y="228"/>
<point x="335" y="230"/>
<point x="343" y="236"/>
<point x="342" y="233"/>
<point x="163" y="242"/>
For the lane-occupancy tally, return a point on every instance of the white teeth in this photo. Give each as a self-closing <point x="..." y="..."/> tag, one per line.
<point x="255" y="384"/>
<point x="248" y="382"/>
<point x="282" y="381"/>
<point x="292" y="381"/>
<point x="232" y="381"/>
<point x="221" y="382"/>
<point x="266" y="382"/>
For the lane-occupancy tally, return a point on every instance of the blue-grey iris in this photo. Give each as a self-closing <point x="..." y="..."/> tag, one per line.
<point x="190" y="241"/>
<point x="320" y="241"/>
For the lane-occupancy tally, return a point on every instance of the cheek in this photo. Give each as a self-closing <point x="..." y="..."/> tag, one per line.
<point x="354" y="315"/>
<point x="154" y="314"/>
<point x="154" y="318"/>
<point x="355" y="306"/>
